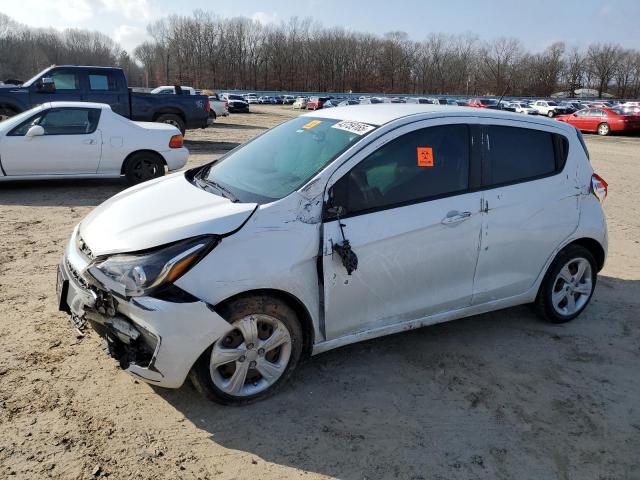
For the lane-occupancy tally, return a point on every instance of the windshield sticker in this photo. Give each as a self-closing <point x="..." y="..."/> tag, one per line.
<point x="311" y="124"/>
<point x="425" y="156"/>
<point x="353" y="127"/>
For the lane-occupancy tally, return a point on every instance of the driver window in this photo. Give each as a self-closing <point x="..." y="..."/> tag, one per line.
<point x="421" y="165"/>
<point x="65" y="80"/>
<point x="70" y="121"/>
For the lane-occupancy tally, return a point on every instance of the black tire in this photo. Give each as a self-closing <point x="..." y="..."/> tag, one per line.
<point x="213" y="115"/>
<point x="604" y="129"/>
<point x="235" y="310"/>
<point x="543" y="305"/>
<point x="6" y="113"/>
<point x="143" y="166"/>
<point x="173" y="119"/>
<point x="551" y="114"/>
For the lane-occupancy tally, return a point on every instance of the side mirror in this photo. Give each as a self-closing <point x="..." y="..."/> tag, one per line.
<point x="46" y="85"/>
<point x="337" y="211"/>
<point x="35" y="131"/>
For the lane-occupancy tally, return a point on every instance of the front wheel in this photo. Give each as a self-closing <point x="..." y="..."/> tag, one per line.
<point x="253" y="359"/>
<point x="604" y="129"/>
<point x="568" y="285"/>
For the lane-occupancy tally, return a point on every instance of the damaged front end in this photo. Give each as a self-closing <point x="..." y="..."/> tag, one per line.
<point x="152" y="328"/>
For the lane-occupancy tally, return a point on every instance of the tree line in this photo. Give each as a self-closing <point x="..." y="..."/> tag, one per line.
<point x="207" y="51"/>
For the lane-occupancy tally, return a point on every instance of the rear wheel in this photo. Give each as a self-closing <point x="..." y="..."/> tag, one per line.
<point x="173" y="119"/>
<point x="568" y="285"/>
<point x="255" y="357"/>
<point x="604" y="129"/>
<point x="551" y="114"/>
<point x="143" y="166"/>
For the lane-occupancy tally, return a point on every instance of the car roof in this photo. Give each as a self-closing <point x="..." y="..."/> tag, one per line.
<point x="103" y="106"/>
<point x="380" y="114"/>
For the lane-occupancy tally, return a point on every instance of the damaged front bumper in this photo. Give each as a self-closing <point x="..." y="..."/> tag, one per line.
<point x="154" y="340"/>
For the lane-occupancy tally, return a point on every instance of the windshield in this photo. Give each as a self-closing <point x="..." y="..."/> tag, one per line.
<point x="33" y="79"/>
<point x="489" y="101"/>
<point x="236" y="97"/>
<point x="18" y="119"/>
<point x="552" y="104"/>
<point x="283" y="159"/>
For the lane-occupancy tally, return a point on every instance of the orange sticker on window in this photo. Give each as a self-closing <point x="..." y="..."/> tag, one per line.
<point x="425" y="157"/>
<point x="311" y="124"/>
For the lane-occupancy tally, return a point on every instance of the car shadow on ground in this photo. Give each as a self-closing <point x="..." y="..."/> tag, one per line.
<point x="450" y="400"/>
<point x="60" y="193"/>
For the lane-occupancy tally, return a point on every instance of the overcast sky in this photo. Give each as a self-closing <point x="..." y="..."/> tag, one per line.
<point x="537" y="23"/>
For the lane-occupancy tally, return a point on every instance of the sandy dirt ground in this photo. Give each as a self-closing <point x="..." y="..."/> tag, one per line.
<point x="497" y="396"/>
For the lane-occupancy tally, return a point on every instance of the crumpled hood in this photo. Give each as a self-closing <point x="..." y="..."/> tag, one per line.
<point x="158" y="212"/>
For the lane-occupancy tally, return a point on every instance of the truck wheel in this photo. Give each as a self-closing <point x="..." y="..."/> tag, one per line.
<point x="6" y="113"/>
<point x="551" y="114"/>
<point x="172" y="119"/>
<point x="143" y="166"/>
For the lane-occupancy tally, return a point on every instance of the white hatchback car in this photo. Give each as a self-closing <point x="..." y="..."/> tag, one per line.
<point x="86" y="140"/>
<point x="372" y="220"/>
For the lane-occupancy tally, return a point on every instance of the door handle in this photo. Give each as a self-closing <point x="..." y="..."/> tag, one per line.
<point x="89" y="141"/>
<point x="456" y="218"/>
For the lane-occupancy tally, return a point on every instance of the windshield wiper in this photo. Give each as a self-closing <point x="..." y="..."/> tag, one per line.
<point x="223" y="190"/>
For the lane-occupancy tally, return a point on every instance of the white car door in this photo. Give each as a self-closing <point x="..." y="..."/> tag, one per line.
<point x="413" y="224"/>
<point x="71" y="144"/>
<point x="530" y="207"/>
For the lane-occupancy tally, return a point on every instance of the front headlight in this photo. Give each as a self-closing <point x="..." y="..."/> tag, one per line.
<point x="142" y="273"/>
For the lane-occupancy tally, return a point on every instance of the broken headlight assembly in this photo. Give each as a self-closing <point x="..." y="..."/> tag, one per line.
<point x="143" y="273"/>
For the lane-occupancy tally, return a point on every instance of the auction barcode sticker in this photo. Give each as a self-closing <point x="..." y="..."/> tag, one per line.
<point x="353" y="127"/>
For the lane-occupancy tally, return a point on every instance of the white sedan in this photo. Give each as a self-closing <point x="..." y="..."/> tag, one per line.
<point x="86" y="140"/>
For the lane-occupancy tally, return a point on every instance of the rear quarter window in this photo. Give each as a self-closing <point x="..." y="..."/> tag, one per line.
<point x="518" y="154"/>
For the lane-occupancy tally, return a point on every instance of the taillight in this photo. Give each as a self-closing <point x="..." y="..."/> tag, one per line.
<point x="207" y="106"/>
<point x="176" y="141"/>
<point x="599" y="187"/>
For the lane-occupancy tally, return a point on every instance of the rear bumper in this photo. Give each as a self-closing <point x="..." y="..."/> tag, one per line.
<point x="176" y="157"/>
<point x="154" y="340"/>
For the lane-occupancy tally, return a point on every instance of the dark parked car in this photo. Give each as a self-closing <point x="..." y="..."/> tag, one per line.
<point x="104" y="85"/>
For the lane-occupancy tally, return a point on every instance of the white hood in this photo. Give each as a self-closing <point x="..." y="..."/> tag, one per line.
<point x="158" y="212"/>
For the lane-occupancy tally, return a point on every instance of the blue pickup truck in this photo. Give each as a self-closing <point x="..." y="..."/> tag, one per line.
<point x="104" y="85"/>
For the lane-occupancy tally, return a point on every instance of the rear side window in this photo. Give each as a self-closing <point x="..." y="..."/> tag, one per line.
<point x="421" y="165"/>
<point x="102" y="81"/>
<point x="518" y="154"/>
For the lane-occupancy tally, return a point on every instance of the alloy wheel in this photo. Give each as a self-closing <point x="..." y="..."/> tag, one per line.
<point x="252" y="357"/>
<point x="572" y="287"/>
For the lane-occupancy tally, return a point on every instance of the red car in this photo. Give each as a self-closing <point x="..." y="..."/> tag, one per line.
<point x="602" y="120"/>
<point x="316" y="103"/>
<point x="483" y="103"/>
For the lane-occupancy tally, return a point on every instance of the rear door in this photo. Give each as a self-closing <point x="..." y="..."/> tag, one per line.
<point x="530" y="206"/>
<point x="107" y="87"/>
<point x="72" y="144"/>
<point x="413" y="223"/>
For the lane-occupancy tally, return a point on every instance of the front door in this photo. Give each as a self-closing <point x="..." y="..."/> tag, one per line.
<point x="414" y="226"/>
<point x="68" y="88"/>
<point x="71" y="144"/>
